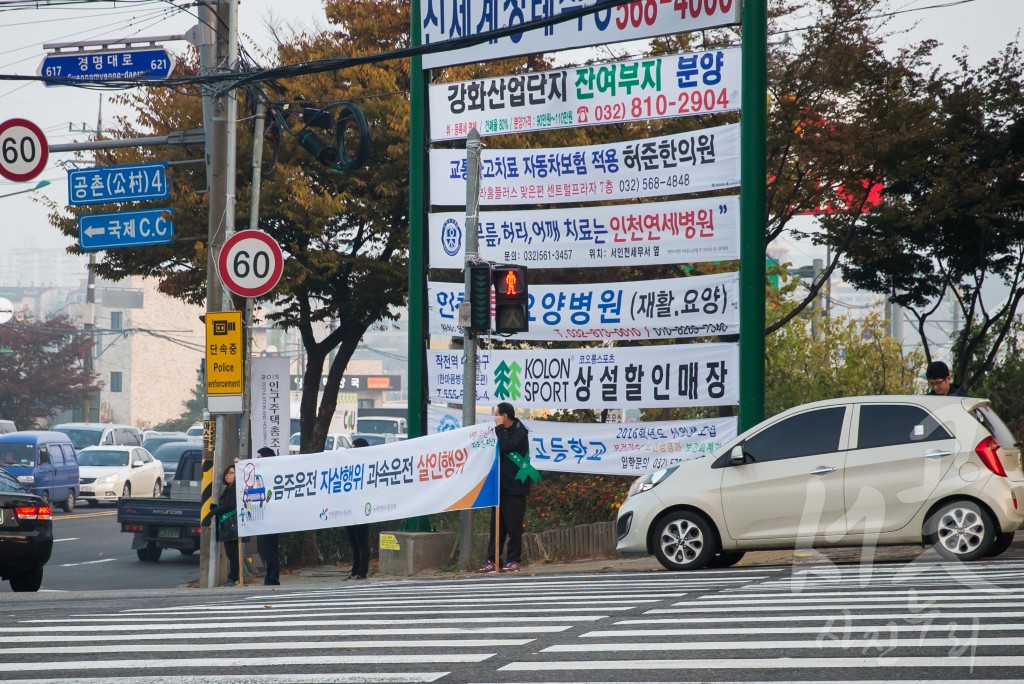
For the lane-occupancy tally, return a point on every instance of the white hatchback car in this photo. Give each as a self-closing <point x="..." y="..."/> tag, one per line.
<point x="107" y="473"/>
<point x="858" y="471"/>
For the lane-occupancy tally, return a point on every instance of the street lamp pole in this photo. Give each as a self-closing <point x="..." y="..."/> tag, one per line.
<point x="40" y="184"/>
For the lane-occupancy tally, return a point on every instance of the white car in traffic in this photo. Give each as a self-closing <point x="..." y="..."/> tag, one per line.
<point x="107" y="473"/>
<point x="858" y="471"/>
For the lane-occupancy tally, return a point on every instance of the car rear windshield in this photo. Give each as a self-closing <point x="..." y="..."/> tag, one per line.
<point x="17" y="455"/>
<point x="994" y="424"/>
<point x="82" y="438"/>
<point x="103" y="458"/>
<point x="169" y="454"/>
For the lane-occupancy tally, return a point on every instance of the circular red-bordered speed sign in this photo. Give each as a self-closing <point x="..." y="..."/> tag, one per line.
<point x="250" y="263"/>
<point x="23" y="150"/>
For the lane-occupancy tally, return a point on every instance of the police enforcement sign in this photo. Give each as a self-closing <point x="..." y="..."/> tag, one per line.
<point x="225" y="367"/>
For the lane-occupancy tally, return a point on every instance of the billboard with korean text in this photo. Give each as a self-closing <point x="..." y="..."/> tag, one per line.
<point x="450" y="471"/>
<point x="697" y="306"/>
<point x="700" y="374"/>
<point x="694" y="161"/>
<point x="444" y="20"/>
<point x="689" y="84"/>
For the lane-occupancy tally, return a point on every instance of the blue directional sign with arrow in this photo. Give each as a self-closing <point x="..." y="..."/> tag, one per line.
<point x="152" y="64"/>
<point x="126" y="229"/>
<point x="125" y="183"/>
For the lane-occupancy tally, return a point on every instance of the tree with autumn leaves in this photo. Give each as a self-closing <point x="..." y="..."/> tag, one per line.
<point x="40" y="369"/>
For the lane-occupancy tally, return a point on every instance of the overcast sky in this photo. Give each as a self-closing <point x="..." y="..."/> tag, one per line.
<point x="982" y="27"/>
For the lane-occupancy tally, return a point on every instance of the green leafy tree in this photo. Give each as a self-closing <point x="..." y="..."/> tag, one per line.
<point x="41" y="369"/>
<point x="1003" y="382"/>
<point x="842" y="357"/>
<point x="952" y="219"/>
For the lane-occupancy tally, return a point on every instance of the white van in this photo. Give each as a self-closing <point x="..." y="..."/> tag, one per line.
<point x="95" y="434"/>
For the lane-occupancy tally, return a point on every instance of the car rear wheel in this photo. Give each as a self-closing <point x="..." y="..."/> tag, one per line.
<point x="69" y="503"/>
<point x="684" y="540"/>
<point x="149" y="554"/>
<point x="726" y="559"/>
<point x="1000" y="544"/>
<point x="30" y="580"/>
<point x="158" y="489"/>
<point x="960" y="530"/>
<point x="127" y="491"/>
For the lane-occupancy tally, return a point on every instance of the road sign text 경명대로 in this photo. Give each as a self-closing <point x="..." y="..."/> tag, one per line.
<point x="150" y="64"/>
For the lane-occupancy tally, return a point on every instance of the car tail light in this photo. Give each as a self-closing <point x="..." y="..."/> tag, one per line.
<point x="987" y="450"/>
<point x="1015" y="504"/>
<point x="131" y="527"/>
<point x="33" y="512"/>
<point x="194" y="530"/>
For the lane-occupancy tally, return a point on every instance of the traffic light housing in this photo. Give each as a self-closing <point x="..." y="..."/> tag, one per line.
<point x="479" y="297"/>
<point x="511" y="302"/>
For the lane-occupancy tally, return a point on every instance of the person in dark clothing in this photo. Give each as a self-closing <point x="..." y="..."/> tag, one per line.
<point x="513" y="446"/>
<point x="939" y="381"/>
<point x="267" y="543"/>
<point x="359" y="537"/>
<point x="225" y="512"/>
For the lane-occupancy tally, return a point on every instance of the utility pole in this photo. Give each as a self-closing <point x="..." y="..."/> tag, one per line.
<point x="473" y="146"/>
<point x="89" y="326"/>
<point x="216" y="30"/>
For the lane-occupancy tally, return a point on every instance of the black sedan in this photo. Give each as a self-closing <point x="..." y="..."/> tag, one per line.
<point x="26" y="535"/>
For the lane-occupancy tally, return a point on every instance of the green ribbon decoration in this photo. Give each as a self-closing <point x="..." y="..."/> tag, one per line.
<point x="225" y="517"/>
<point x="525" y="469"/>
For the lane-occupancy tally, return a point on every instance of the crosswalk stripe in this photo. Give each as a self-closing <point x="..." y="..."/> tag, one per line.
<point x="11" y="638"/>
<point x="818" y="618"/>
<point x="224" y="624"/>
<point x="333" y="678"/>
<point x="277" y="645"/>
<point x="883" y="641"/>
<point x="886" y="593"/>
<point x="941" y="628"/>
<point x="284" y="611"/>
<point x="968" y="662"/>
<point x="837" y="604"/>
<point x="247" y="662"/>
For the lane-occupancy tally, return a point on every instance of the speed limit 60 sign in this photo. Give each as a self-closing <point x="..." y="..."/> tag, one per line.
<point x="250" y="263"/>
<point x="23" y="150"/>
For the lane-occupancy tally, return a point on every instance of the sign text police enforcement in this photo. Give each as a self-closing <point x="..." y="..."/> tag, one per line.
<point x="127" y="183"/>
<point x="126" y="229"/>
<point x="150" y="64"/>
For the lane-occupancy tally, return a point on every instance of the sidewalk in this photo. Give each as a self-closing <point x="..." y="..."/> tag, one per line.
<point x="330" y="575"/>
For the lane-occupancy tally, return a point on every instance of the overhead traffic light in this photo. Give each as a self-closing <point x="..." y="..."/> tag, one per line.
<point x="479" y="297"/>
<point x="511" y="303"/>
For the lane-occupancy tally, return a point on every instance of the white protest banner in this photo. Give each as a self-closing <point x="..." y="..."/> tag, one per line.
<point x="608" y="448"/>
<point x="696" y="306"/>
<point x="689" y="84"/>
<point x="683" y="163"/>
<point x="450" y="471"/>
<point x="270" y="404"/>
<point x="701" y="374"/>
<point x="443" y="20"/>
<point x="673" y="232"/>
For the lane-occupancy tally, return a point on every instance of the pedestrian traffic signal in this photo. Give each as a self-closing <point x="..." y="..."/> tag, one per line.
<point x="511" y="303"/>
<point x="479" y="296"/>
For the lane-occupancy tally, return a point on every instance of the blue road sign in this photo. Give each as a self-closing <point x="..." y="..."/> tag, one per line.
<point x="126" y="229"/>
<point x="152" y="64"/>
<point x="127" y="183"/>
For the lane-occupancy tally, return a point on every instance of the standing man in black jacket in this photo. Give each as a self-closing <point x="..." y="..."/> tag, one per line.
<point x="514" y="450"/>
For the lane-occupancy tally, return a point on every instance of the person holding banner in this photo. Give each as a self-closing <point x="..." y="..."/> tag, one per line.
<point x="225" y="512"/>
<point x="515" y="478"/>
<point x="267" y="543"/>
<point x="359" y="537"/>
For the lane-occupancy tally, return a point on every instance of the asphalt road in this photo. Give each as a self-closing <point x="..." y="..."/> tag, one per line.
<point x="90" y="553"/>
<point x="899" y="621"/>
